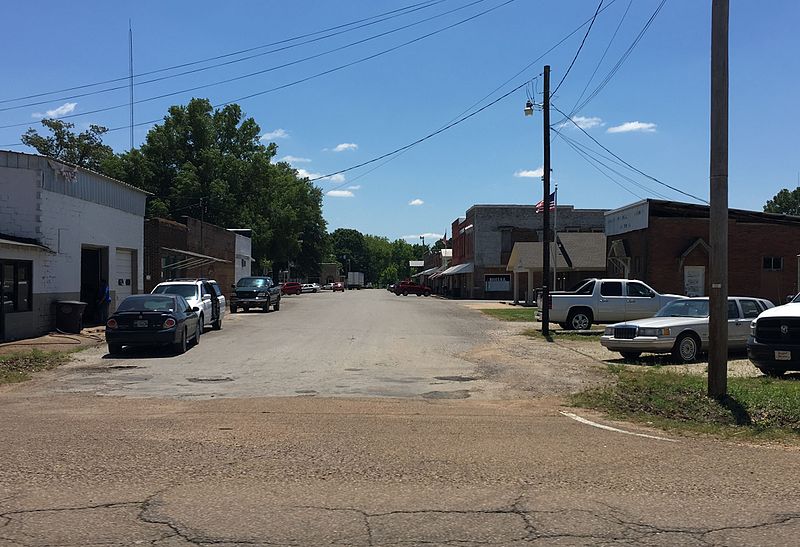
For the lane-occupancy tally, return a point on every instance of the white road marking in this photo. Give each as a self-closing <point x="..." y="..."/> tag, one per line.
<point x="614" y="429"/>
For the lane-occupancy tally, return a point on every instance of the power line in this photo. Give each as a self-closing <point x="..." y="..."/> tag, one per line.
<point x="418" y="141"/>
<point x="473" y="105"/>
<point x="270" y="69"/>
<point x="405" y="10"/>
<point x="602" y="57"/>
<point x="580" y="47"/>
<point x="628" y="164"/>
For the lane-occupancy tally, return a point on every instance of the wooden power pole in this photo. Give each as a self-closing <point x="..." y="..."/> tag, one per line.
<point x="718" y="218"/>
<point x="546" y="212"/>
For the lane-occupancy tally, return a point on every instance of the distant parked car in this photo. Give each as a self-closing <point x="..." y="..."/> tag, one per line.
<point x="409" y="287"/>
<point x="310" y="287"/>
<point x="153" y="320"/>
<point x="291" y="287"/>
<point x="202" y="293"/>
<point x="390" y="287"/>
<point x="604" y="301"/>
<point x="327" y="287"/>
<point x="255" y="292"/>
<point x="681" y="328"/>
<point x="774" y="342"/>
<point x="338" y="286"/>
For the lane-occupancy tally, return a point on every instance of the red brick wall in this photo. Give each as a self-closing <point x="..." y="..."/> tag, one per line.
<point x="660" y="246"/>
<point x="463" y="244"/>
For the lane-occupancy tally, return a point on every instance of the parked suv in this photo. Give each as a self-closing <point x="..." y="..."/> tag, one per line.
<point x="200" y="293"/>
<point x="409" y="287"/>
<point x="255" y="292"/>
<point x="774" y="342"/>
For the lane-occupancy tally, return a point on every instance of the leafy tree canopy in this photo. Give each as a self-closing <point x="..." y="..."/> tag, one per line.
<point x="85" y="149"/>
<point x="786" y="201"/>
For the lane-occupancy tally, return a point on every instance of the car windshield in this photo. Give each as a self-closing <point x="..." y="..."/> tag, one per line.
<point x="151" y="303"/>
<point x="252" y="282"/>
<point x="685" y="308"/>
<point x="187" y="291"/>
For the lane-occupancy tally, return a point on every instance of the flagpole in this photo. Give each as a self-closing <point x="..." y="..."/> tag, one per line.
<point x="555" y="239"/>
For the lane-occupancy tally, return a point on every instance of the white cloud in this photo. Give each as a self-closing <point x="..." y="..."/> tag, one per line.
<point x="584" y="122"/>
<point x="340" y="194"/>
<point x="630" y="127"/>
<point x="430" y="236"/>
<point x="294" y="159"/>
<point x="302" y="173"/>
<point x="530" y="173"/>
<point x="338" y="177"/>
<point x="416" y="202"/>
<point x="63" y="110"/>
<point x="354" y="187"/>
<point x="342" y="147"/>
<point x="277" y="134"/>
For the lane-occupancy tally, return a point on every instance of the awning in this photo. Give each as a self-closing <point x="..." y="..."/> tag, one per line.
<point x="32" y="246"/>
<point x="429" y="271"/>
<point x="192" y="260"/>
<point x="465" y="268"/>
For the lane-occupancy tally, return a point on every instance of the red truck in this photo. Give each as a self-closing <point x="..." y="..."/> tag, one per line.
<point x="409" y="287"/>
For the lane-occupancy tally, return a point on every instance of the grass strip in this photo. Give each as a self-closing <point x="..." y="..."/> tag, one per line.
<point x="758" y="407"/>
<point x="512" y="314"/>
<point x="18" y="367"/>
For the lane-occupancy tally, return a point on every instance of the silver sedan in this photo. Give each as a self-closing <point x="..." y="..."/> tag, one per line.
<point x="681" y="328"/>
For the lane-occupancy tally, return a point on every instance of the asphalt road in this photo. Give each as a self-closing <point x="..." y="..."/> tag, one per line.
<point x="155" y="460"/>
<point x="357" y="343"/>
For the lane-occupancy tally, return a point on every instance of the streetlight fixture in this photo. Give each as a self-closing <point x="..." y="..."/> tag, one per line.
<point x="528" y="108"/>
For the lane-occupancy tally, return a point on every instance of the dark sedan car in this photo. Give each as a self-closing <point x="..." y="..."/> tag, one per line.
<point x="153" y="320"/>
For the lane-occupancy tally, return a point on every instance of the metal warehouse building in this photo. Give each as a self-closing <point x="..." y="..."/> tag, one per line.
<point x="63" y="229"/>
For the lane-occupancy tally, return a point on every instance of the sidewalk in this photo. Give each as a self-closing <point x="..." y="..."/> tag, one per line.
<point x="56" y="341"/>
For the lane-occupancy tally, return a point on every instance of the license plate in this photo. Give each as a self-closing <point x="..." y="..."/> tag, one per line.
<point x="141" y="323"/>
<point x="783" y="355"/>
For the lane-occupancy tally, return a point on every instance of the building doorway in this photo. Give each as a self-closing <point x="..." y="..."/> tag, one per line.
<point x="94" y="268"/>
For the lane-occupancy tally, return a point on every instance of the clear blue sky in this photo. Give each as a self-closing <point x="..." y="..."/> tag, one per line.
<point x="392" y="100"/>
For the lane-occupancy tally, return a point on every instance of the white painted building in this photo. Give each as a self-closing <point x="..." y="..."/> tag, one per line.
<point x="63" y="229"/>
<point x="243" y="265"/>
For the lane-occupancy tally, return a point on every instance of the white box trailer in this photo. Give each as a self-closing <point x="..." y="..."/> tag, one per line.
<point x="355" y="280"/>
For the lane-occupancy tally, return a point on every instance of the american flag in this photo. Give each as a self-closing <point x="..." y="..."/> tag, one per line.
<point x="540" y="205"/>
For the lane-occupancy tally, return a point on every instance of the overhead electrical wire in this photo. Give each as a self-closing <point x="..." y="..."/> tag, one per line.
<point x="261" y="54"/>
<point x="654" y="179"/>
<point x="580" y="47"/>
<point x="340" y="67"/>
<point x="392" y="14"/>
<point x="495" y="90"/>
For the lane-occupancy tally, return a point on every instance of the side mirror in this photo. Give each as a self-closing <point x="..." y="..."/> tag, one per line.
<point x="206" y="297"/>
<point x="195" y="308"/>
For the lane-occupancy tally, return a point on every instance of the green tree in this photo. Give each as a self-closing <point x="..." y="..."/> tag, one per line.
<point x="85" y="149"/>
<point x="786" y="201"/>
<point x="349" y="249"/>
<point x="379" y="257"/>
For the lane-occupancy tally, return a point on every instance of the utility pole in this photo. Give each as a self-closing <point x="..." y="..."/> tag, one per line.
<point x="130" y="76"/>
<point x="718" y="217"/>
<point x="546" y="212"/>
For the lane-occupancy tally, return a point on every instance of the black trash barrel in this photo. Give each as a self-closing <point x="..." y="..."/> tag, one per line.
<point x="69" y="315"/>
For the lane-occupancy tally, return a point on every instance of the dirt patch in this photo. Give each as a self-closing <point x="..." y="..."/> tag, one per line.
<point x="458" y="394"/>
<point x="210" y="379"/>
<point x="456" y="378"/>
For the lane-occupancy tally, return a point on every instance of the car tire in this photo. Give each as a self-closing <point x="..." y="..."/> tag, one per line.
<point x="427" y="293"/>
<point x="202" y="322"/>
<point x="397" y="294"/>
<point x="277" y="306"/>
<point x="246" y="309"/>
<point x="773" y="372"/>
<point x="234" y="309"/>
<point x="198" y="331"/>
<point x="217" y="325"/>
<point x="405" y="293"/>
<point x="180" y="346"/>
<point x="579" y="320"/>
<point x="630" y="355"/>
<point x="114" y="349"/>
<point x="686" y="348"/>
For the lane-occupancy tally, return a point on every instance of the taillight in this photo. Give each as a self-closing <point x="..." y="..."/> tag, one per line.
<point x="111" y="323"/>
<point x="169" y="323"/>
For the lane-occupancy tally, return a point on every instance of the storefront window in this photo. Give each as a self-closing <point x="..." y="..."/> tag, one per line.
<point x="498" y="283"/>
<point x="15" y="278"/>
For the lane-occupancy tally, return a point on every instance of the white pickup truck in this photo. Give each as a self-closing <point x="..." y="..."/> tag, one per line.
<point x="604" y="301"/>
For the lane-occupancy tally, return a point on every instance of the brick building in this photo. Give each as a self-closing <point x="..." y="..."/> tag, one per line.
<point x="189" y="248"/>
<point x="665" y="244"/>
<point x="484" y="239"/>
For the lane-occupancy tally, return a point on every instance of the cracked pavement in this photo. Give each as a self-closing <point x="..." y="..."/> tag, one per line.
<point x="82" y="469"/>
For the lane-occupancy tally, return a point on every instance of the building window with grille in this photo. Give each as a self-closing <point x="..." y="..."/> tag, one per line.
<point x="15" y="280"/>
<point x="773" y="263"/>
